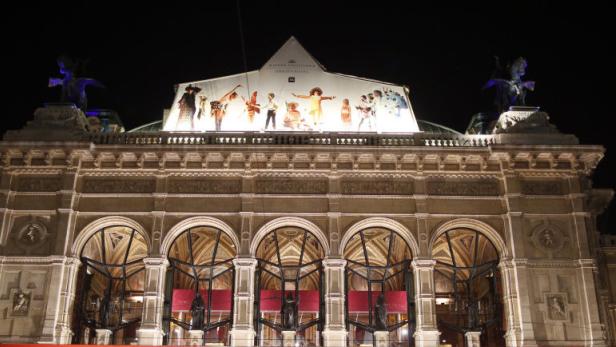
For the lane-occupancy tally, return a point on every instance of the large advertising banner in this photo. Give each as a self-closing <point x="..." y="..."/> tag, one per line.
<point x="292" y="92"/>
<point x="248" y="102"/>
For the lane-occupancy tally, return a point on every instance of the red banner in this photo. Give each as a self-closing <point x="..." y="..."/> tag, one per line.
<point x="271" y="300"/>
<point x="395" y="301"/>
<point x="182" y="298"/>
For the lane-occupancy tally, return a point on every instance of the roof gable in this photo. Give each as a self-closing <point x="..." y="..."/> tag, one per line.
<point x="292" y="55"/>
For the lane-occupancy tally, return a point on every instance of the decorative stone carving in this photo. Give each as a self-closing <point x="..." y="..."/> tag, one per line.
<point x="524" y="120"/>
<point x="286" y="186"/>
<point x="359" y="187"/>
<point x="53" y="122"/>
<point x="31" y="236"/>
<point x="477" y="187"/>
<point x="21" y="303"/>
<point x="541" y="188"/>
<point x="114" y="185"/>
<point x="203" y="186"/>
<point x="38" y="184"/>
<point x="557" y="306"/>
<point x="547" y="238"/>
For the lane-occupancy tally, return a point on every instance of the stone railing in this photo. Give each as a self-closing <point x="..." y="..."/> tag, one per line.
<point x="294" y="138"/>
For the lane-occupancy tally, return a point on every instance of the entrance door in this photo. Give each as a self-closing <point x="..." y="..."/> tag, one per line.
<point x="288" y="286"/>
<point x="379" y="288"/>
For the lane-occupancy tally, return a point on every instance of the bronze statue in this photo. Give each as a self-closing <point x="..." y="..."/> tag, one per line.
<point x="380" y="313"/>
<point x="73" y="88"/>
<point x="511" y="91"/>
<point x="197" y="310"/>
<point x="288" y="312"/>
<point x="103" y="311"/>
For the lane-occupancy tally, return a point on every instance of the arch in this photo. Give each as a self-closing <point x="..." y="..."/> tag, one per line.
<point x="193" y="222"/>
<point x="289" y="222"/>
<point x="380" y="222"/>
<point x="105" y="222"/>
<point x="476" y="225"/>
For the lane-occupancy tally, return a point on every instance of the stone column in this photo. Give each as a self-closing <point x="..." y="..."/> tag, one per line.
<point x="594" y="329"/>
<point x="334" y="333"/>
<point x="151" y="330"/>
<point x="243" y="331"/>
<point x="104" y="337"/>
<point x="517" y="306"/>
<point x="57" y="325"/>
<point x="426" y="332"/>
<point x="472" y="338"/>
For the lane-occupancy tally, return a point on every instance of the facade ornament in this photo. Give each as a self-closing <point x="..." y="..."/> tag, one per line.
<point x="548" y="239"/>
<point x="31" y="235"/>
<point x="557" y="307"/>
<point x="510" y="90"/>
<point x="73" y="88"/>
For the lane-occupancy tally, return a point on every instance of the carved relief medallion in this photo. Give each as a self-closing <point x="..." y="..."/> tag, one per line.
<point x="548" y="238"/>
<point x="31" y="235"/>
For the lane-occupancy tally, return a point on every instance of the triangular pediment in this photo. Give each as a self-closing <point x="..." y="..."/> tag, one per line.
<point x="292" y="55"/>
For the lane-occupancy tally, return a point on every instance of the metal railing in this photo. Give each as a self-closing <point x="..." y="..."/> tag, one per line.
<point x="293" y="138"/>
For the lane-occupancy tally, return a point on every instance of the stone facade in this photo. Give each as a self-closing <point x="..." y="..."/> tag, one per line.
<point x="533" y="201"/>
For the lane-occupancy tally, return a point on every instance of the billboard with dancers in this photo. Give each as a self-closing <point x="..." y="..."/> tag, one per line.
<point x="292" y="92"/>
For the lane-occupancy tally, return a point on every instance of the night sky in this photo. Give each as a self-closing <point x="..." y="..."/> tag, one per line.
<point x="445" y="54"/>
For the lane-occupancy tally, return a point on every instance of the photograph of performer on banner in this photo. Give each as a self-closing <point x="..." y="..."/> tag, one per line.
<point x="271" y="108"/>
<point x="219" y="107"/>
<point x="188" y="108"/>
<point x="345" y="115"/>
<point x="252" y="107"/>
<point x="316" y="110"/>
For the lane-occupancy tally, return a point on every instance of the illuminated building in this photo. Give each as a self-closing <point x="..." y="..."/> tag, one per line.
<point x="472" y="239"/>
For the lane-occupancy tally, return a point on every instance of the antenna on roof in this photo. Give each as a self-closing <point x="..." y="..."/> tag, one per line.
<point x="239" y="21"/>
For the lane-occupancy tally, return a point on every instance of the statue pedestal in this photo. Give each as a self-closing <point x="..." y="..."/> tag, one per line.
<point x="288" y="338"/>
<point x="472" y="338"/>
<point x="195" y="337"/>
<point x="381" y="338"/>
<point x="427" y="338"/>
<point x="54" y="122"/>
<point x="242" y="337"/>
<point x="150" y="337"/>
<point x="103" y="336"/>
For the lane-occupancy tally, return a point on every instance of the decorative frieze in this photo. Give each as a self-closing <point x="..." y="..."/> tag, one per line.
<point x="290" y="186"/>
<point x="38" y="184"/>
<point x="205" y="186"/>
<point x="463" y="187"/>
<point x="114" y="185"/>
<point x="375" y="187"/>
<point x="541" y="188"/>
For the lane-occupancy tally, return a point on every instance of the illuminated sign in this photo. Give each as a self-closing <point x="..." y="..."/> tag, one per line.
<point x="292" y="92"/>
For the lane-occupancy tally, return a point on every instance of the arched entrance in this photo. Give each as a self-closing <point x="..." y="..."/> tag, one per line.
<point x="111" y="283"/>
<point x="288" y="282"/>
<point x="468" y="288"/>
<point x="379" y="287"/>
<point x="199" y="286"/>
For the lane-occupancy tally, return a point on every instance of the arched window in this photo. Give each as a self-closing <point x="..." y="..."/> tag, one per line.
<point x="467" y="285"/>
<point x="111" y="283"/>
<point x="288" y="285"/>
<point x="200" y="286"/>
<point x="379" y="287"/>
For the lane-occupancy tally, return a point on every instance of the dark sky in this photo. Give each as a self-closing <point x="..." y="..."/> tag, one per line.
<point x="443" y="53"/>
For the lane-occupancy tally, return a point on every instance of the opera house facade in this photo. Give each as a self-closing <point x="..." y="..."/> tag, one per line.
<point x="292" y="206"/>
